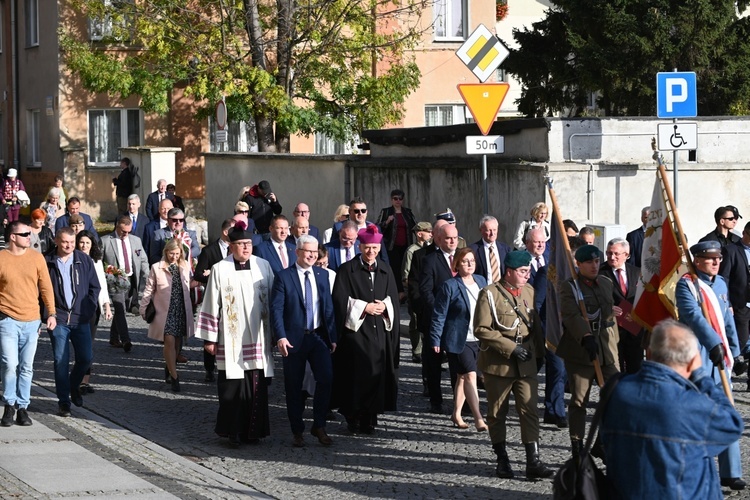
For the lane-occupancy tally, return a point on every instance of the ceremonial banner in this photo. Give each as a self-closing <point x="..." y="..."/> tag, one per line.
<point x="662" y="263"/>
<point x="558" y="271"/>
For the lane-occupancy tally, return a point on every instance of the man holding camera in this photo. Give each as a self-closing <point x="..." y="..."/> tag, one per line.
<point x="263" y="206"/>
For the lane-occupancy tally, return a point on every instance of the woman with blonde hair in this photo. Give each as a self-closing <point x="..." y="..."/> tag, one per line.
<point x="341" y="214"/>
<point x="539" y="213"/>
<point x="168" y="285"/>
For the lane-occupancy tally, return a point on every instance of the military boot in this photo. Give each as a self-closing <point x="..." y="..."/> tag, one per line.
<point x="535" y="469"/>
<point x="503" y="469"/>
<point x="576" y="445"/>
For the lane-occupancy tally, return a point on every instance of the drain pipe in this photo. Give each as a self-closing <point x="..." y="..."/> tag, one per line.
<point x="590" y="191"/>
<point x="14" y="80"/>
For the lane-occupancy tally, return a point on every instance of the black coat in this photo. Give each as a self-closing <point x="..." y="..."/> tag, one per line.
<point x="632" y="273"/>
<point x="365" y="362"/>
<point x="210" y="255"/>
<point x="734" y="269"/>
<point x="635" y="240"/>
<point x="389" y="230"/>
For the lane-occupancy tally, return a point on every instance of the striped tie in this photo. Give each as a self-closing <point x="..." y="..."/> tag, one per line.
<point x="493" y="265"/>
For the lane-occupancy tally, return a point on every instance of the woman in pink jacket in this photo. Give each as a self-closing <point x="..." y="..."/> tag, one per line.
<point x="174" y="313"/>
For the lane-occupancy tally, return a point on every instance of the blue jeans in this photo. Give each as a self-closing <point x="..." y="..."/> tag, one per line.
<point x="80" y="337"/>
<point x="554" y="387"/>
<point x="18" y="341"/>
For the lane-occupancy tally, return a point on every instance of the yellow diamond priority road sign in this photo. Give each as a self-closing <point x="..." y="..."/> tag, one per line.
<point x="482" y="53"/>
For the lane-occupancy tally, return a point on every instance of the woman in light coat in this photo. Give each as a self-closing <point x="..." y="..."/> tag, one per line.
<point x="174" y="313"/>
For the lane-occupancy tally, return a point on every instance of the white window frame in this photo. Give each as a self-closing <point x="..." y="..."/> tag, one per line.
<point x="326" y="145"/>
<point x="32" y="23"/>
<point x="459" y="114"/>
<point x="103" y="29"/>
<point x="242" y="137"/>
<point x="443" y="13"/>
<point x="124" y="134"/>
<point x="33" y="138"/>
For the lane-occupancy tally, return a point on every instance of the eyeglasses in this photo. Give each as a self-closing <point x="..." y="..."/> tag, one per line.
<point x="302" y="212"/>
<point x="77" y="224"/>
<point x="23" y="235"/>
<point x="243" y="211"/>
<point x="243" y="244"/>
<point x="397" y="198"/>
<point x="359" y="210"/>
<point x="729" y="218"/>
<point x="177" y="220"/>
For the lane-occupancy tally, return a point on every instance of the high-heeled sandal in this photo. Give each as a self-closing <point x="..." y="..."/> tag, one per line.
<point x="459" y="425"/>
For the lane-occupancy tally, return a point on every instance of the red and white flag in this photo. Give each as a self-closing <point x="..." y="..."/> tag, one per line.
<point x="662" y="263"/>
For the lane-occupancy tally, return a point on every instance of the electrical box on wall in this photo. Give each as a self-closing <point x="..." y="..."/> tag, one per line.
<point x="603" y="233"/>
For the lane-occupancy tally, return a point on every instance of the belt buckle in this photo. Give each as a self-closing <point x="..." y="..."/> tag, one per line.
<point x="595" y="325"/>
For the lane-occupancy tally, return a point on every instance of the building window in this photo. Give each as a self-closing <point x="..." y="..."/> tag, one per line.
<point x="241" y="137"/>
<point x="446" y="114"/>
<point x="451" y="19"/>
<point x="114" y="24"/>
<point x="32" y="23"/>
<point x="502" y="76"/>
<point x="326" y="145"/>
<point x="34" y="149"/>
<point x="110" y="130"/>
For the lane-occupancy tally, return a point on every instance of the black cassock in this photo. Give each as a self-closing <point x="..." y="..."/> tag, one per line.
<point x="365" y="364"/>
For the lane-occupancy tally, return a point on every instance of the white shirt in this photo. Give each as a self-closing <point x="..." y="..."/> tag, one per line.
<point x="342" y="254"/>
<point x="281" y="252"/>
<point x="224" y="247"/>
<point x="537" y="264"/>
<point x="624" y="275"/>
<point x="487" y="263"/>
<point x="447" y="257"/>
<point x="301" y="275"/>
<point x="162" y="223"/>
<point x="121" y="257"/>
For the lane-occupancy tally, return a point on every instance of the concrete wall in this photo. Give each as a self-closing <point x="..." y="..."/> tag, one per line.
<point x="319" y="181"/>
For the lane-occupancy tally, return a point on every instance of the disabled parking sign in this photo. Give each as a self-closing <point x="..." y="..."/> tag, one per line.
<point x="676" y="95"/>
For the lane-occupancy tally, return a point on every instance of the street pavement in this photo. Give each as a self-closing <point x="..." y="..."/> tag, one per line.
<point x="136" y="438"/>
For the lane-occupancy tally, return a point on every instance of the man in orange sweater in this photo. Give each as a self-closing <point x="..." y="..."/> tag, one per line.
<point x="23" y="278"/>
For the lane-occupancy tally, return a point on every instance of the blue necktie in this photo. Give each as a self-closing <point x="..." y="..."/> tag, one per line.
<point x="308" y="302"/>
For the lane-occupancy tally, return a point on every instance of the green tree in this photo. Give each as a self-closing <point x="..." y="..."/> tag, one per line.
<point x="291" y="66"/>
<point x="615" y="49"/>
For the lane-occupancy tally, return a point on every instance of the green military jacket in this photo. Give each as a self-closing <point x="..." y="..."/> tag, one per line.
<point x="497" y="325"/>
<point x="597" y="297"/>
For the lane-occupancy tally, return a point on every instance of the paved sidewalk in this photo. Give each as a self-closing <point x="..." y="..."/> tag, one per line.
<point x="136" y="438"/>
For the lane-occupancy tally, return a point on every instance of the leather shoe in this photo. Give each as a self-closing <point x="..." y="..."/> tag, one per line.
<point x="298" y="441"/>
<point x="115" y="344"/>
<point x="734" y="483"/>
<point x="63" y="411"/>
<point x="75" y="396"/>
<point x="127" y="346"/>
<point x="559" y="421"/>
<point x="323" y="438"/>
<point x="436" y="408"/>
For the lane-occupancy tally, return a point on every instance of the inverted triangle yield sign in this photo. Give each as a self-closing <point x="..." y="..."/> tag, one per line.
<point x="483" y="101"/>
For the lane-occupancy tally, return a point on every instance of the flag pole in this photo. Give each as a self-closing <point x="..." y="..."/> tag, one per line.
<point x="685" y="254"/>
<point x="573" y="272"/>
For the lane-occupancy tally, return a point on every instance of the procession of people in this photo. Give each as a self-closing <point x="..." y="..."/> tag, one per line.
<point x="260" y="292"/>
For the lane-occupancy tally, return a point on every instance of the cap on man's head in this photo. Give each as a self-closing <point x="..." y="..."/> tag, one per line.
<point x="370" y="235"/>
<point x="12" y="172"/>
<point x="422" y="226"/>
<point x="446" y="216"/>
<point x="709" y="248"/>
<point x="734" y="211"/>
<point x="587" y="253"/>
<point x="516" y="259"/>
<point x="265" y="186"/>
<point x="240" y="232"/>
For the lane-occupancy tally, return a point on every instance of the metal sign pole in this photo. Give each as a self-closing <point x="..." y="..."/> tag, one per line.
<point x="486" y="186"/>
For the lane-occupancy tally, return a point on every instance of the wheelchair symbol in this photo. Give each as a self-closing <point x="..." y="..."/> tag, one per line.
<point x="676" y="140"/>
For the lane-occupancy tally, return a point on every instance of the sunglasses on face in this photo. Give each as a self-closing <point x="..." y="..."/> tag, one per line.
<point x="359" y="210"/>
<point x="177" y="220"/>
<point x="397" y="198"/>
<point x="24" y="235"/>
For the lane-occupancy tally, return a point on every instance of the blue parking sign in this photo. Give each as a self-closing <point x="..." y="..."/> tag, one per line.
<point x="676" y="95"/>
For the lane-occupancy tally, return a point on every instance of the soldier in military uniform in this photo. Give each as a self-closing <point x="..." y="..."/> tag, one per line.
<point x="587" y="339"/>
<point x="511" y="345"/>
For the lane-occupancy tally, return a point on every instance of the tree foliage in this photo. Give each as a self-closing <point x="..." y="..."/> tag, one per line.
<point x="291" y="66"/>
<point x="615" y="48"/>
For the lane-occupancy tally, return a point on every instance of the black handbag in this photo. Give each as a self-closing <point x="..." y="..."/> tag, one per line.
<point x="150" y="312"/>
<point x="583" y="480"/>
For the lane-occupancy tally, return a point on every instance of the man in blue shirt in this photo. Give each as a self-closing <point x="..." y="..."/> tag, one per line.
<point x="663" y="425"/>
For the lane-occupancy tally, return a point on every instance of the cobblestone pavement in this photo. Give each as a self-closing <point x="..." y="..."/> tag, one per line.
<point x="413" y="454"/>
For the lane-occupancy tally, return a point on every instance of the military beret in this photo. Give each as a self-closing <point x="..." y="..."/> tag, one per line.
<point x="587" y="253"/>
<point x="517" y="258"/>
<point x="422" y="226"/>
<point x="709" y="248"/>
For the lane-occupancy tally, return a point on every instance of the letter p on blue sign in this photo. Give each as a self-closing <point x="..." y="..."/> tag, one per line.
<point x="676" y="95"/>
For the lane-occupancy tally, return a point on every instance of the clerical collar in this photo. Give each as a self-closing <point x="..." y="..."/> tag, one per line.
<point x="370" y="267"/>
<point x="242" y="266"/>
<point x="513" y="290"/>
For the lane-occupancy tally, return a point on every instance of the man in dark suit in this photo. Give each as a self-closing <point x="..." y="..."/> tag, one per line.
<point x="152" y="203"/>
<point x="74" y="208"/>
<point x="735" y="268"/>
<point x="140" y="221"/>
<point x="160" y="223"/>
<point x="175" y="228"/>
<point x="277" y="250"/>
<point x="488" y="250"/>
<point x="210" y="255"/>
<point x="726" y="220"/>
<point x="344" y="248"/>
<point x="635" y="239"/>
<point x="436" y="269"/>
<point x="302" y="210"/>
<point x="624" y="276"/>
<point x="304" y="330"/>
